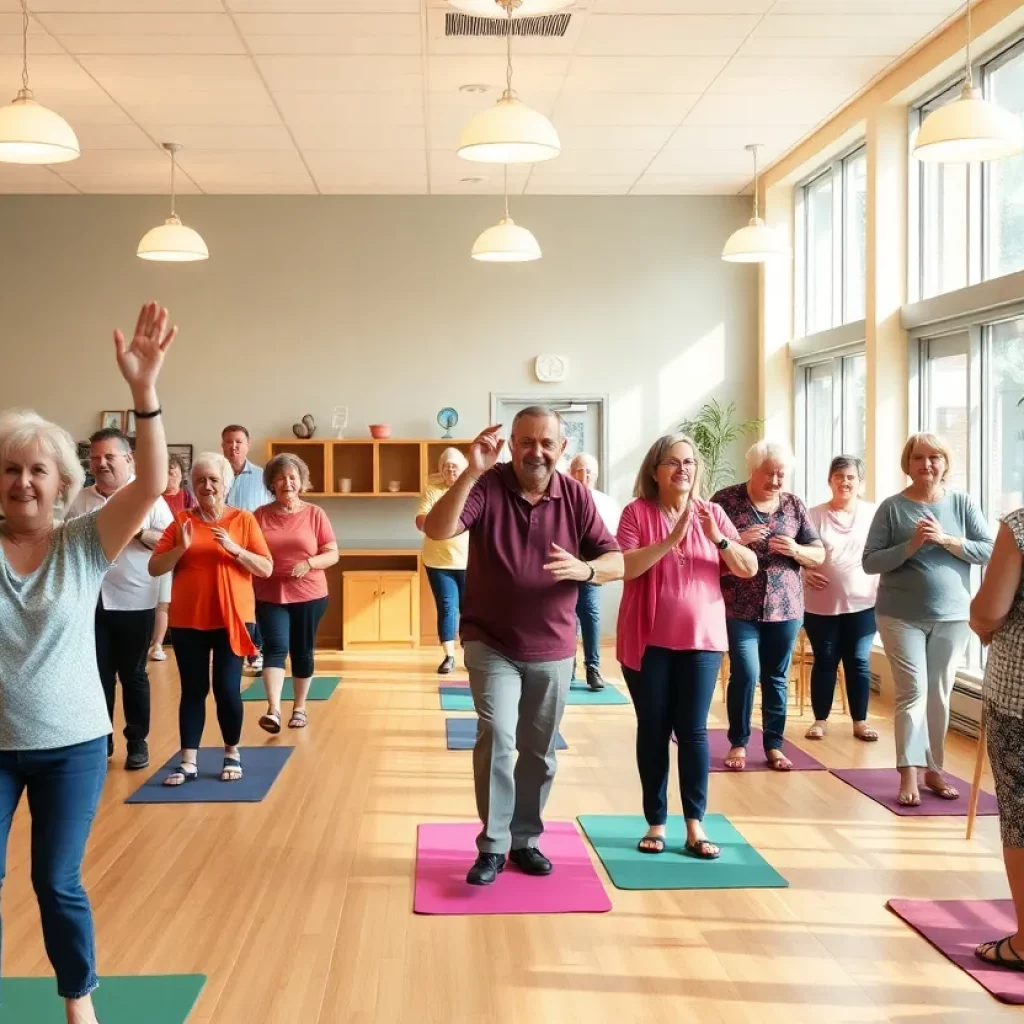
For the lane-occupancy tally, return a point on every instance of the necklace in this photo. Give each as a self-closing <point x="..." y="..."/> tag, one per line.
<point x="209" y="519"/>
<point x="671" y="519"/>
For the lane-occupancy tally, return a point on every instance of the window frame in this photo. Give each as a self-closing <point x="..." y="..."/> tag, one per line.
<point x="837" y="171"/>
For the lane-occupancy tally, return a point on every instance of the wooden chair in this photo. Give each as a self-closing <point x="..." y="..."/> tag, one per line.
<point x="979" y="765"/>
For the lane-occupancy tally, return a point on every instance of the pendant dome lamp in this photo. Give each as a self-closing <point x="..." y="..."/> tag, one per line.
<point x="172" y="241"/>
<point x="970" y="129"/>
<point x="509" y="132"/>
<point x="524" y="9"/>
<point x="30" y="133"/>
<point x="755" y="243"/>
<point x="506" y="242"/>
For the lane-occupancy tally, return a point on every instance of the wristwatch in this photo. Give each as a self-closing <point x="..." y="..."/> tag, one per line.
<point x="723" y="544"/>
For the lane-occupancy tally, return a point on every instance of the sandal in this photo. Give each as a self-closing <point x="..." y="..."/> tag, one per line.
<point x="651" y="844"/>
<point x="866" y="734"/>
<point x="298" y="719"/>
<point x="736" y="762"/>
<point x="182" y="774"/>
<point x="944" y="792"/>
<point x="816" y="732"/>
<point x="232" y="770"/>
<point x="780" y="763"/>
<point x="703" y="849"/>
<point x="271" y="722"/>
<point x="997" y="957"/>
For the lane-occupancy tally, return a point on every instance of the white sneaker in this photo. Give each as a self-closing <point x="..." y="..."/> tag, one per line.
<point x="156" y="653"/>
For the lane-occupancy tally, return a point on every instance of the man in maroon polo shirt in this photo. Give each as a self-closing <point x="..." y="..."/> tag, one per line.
<point x="535" y="535"/>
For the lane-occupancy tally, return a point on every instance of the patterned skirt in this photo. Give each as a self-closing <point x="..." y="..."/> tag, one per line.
<point x="1006" y="755"/>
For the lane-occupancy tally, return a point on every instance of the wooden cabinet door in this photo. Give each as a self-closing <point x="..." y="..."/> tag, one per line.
<point x="399" y="607"/>
<point x="362" y="613"/>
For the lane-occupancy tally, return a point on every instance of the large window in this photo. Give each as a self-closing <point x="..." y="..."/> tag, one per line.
<point x="832" y="419"/>
<point x="832" y="232"/>
<point x="946" y="397"/>
<point x="969" y="219"/>
<point x="1003" y="401"/>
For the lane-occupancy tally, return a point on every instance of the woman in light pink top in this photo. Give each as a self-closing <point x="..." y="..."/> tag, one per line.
<point x="671" y="630"/>
<point x="839" y="600"/>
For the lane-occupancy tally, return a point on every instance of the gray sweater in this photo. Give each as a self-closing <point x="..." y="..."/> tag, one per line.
<point x="931" y="585"/>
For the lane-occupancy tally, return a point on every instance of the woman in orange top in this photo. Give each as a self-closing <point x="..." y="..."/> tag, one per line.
<point x="214" y="552"/>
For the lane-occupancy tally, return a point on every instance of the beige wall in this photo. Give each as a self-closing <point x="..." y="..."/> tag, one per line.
<point x="373" y="302"/>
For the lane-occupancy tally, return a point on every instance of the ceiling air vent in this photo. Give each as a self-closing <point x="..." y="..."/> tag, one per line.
<point x="550" y="26"/>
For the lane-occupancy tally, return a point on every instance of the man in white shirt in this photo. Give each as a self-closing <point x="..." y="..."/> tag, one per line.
<point x="128" y="596"/>
<point x="584" y="468"/>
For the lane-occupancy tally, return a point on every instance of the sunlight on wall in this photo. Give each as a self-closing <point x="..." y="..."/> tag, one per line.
<point x="691" y="378"/>
<point x="626" y="442"/>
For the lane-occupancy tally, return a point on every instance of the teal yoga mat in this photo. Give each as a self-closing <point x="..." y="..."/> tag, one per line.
<point x="158" y="999"/>
<point x="320" y="688"/>
<point x="614" y="837"/>
<point x="609" y="695"/>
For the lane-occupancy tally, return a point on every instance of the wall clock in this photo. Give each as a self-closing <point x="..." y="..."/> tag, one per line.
<point x="550" y="368"/>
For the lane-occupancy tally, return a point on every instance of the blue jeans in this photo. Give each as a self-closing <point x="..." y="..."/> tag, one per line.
<point x="588" y="612"/>
<point x="672" y="692"/>
<point x="448" y="586"/>
<point x="64" y="786"/>
<point x="841" y="638"/>
<point x="290" y="628"/>
<point x="759" y="650"/>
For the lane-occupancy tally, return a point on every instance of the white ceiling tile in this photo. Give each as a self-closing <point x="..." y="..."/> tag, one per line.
<point x="638" y="7"/>
<point x="595" y="162"/>
<point x="383" y="34"/>
<point x="156" y="44"/>
<point x="721" y="137"/>
<point x="615" y="108"/>
<point x="688" y="184"/>
<point x="15" y="178"/>
<point x="599" y="185"/>
<point x="645" y="137"/>
<point x="755" y="75"/>
<point x="696" y="161"/>
<point x="235" y="171"/>
<point x="777" y="108"/>
<point x="319" y="73"/>
<point x="124" y="6"/>
<point x="136" y="24"/>
<point x="252" y="138"/>
<point x="326" y="6"/>
<point x="531" y="74"/>
<point x="364" y="165"/>
<point x="677" y="35"/>
<point x="830" y="46"/>
<point x="797" y="26"/>
<point x="380" y="136"/>
<point x="333" y="110"/>
<point x="126" y="170"/>
<point x="642" y="74"/>
<point x="374" y="187"/>
<point x="112" y="136"/>
<point x="934" y="8"/>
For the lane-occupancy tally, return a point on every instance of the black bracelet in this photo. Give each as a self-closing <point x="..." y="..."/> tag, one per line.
<point x="593" y="573"/>
<point x="147" y="415"/>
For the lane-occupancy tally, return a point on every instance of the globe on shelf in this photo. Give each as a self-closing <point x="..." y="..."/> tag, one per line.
<point x="446" y="419"/>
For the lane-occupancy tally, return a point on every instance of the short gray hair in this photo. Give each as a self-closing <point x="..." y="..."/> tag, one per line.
<point x="586" y="458"/>
<point x="764" y="451"/>
<point x="541" y="412"/>
<point x="279" y="465"/>
<point x="23" y="428"/>
<point x="214" y="460"/>
<point x="452" y="455"/>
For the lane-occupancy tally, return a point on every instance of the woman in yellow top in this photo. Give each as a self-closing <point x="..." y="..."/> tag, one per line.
<point x="445" y="560"/>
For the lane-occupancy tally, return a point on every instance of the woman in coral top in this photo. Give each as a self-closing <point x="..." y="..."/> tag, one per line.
<point x="291" y="603"/>
<point x="214" y="552"/>
<point x="671" y="629"/>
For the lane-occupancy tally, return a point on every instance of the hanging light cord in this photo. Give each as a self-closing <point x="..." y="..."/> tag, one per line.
<point x="754" y="151"/>
<point x="24" y="48"/>
<point x="505" y="168"/>
<point x="173" y="163"/>
<point x="508" y="48"/>
<point x="969" y="79"/>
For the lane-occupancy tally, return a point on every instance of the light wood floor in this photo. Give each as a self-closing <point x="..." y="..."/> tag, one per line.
<point x="299" y="908"/>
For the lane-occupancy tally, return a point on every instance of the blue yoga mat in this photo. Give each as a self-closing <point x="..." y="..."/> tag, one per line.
<point x="260" y="767"/>
<point x="461" y="734"/>
<point x="463" y="700"/>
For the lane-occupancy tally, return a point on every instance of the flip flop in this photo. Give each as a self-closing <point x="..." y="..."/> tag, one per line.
<point x="657" y="844"/>
<point x="702" y="849"/>
<point x="186" y="776"/>
<point x="997" y="958"/>
<point x="271" y="722"/>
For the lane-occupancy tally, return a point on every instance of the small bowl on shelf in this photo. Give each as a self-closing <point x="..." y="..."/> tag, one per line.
<point x="394" y="486"/>
<point x="380" y="431"/>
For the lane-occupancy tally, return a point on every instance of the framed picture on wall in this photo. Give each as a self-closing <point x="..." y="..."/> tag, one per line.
<point x="83" y="458"/>
<point x="184" y="452"/>
<point x="112" y="419"/>
<point x="129" y="423"/>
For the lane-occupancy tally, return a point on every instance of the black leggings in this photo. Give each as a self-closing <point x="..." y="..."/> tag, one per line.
<point x="192" y="649"/>
<point x="290" y="628"/>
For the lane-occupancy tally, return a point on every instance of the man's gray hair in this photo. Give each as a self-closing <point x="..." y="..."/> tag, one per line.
<point x="540" y="412"/>
<point x="769" y="451"/>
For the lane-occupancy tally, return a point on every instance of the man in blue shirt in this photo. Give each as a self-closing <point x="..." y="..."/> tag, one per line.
<point x="249" y="492"/>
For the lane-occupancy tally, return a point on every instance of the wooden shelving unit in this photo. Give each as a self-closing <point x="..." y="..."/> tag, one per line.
<point x="370" y="465"/>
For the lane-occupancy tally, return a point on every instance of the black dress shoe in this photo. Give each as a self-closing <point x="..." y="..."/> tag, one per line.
<point x="530" y="861"/>
<point x="446" y="666"/>
<point x="138" y="757"/>
<point x="486" y="869"/>
<point x="594" y="680"/>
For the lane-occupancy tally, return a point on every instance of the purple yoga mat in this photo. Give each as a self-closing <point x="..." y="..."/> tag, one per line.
<point x="955" y="927"/>
<point x="444" y="853"/>
<point x="883" y="786"/>
<point x="718" y="740"/>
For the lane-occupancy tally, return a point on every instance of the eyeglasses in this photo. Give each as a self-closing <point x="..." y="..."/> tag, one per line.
<point x="675" y="465"/>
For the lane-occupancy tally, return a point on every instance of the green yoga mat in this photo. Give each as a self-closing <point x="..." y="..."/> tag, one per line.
<point x="320" y="688"/>
<point x="609" y="695"/>
<point x="160" y="999"/>
<point x="614" y="837"/>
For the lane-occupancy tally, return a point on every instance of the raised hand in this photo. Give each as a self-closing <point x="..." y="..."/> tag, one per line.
<point x="564" y="566"/>
<point x="185" y="535"/>
<point x="707" y="521"/>
<point x="140" y="359"/>
<point x="484" y="451"/>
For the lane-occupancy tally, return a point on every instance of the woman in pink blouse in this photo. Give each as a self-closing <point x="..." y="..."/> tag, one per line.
<point x="839" y="600"/>
<point x="671" y="630"/>
<point x="291" y="603"/>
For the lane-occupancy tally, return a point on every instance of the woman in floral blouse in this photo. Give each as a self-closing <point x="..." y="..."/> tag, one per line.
<point x="763" y="614"/>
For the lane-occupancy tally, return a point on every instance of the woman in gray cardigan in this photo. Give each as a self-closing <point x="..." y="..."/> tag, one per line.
<point x="923" y="542"/>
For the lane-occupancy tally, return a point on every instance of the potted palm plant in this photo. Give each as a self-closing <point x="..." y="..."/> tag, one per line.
<point x="714" y="429"/>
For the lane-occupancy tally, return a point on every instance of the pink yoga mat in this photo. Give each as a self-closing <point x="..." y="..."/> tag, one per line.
<point x="718" y="740"/>
<point x="444" y="853"/>
<point x="883" y="786"/>
<point x="955" y="927"/>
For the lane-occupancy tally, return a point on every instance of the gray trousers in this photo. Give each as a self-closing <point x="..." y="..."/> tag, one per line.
<point x="519" y="706"/>
<point x="923" y="657"/>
